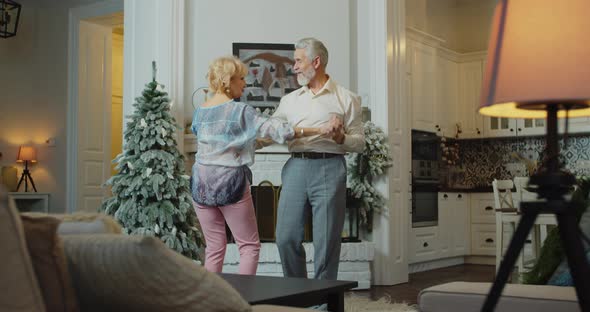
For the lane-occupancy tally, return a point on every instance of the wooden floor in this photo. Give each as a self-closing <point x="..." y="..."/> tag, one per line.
<point x="408" y="292"/>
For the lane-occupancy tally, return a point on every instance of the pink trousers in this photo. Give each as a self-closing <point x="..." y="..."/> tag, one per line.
<point x="241" y="220"/>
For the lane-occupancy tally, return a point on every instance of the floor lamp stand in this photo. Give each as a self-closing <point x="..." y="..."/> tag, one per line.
<point x="551" y="185"/>
<point x="26" y="177"/>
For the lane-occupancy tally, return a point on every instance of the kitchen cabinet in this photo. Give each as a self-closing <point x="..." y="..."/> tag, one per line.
<point x="470" y="80"/>
<point x="453" y="216"/>
<point x="424" y="244"/>
<point x="422" y="66"/>
<point x="483" y="224"/>
<point x="502" y="127"/>
<point x="450" y="238"/>
<point x="447" y="95"/>
<point x="432" y="84"/>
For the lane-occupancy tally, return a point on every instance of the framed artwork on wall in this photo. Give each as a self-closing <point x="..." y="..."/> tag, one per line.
<point x="270" y="72"/>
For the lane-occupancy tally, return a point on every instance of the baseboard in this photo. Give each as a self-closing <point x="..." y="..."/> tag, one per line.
<point x="435" y="264"/>
<point x="487" y="260"/>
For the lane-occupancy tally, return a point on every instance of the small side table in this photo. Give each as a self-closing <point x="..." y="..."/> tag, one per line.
<point x="30" y="202"/>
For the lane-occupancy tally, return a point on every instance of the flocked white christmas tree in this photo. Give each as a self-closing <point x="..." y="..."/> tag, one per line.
<point x="151" y="191"/>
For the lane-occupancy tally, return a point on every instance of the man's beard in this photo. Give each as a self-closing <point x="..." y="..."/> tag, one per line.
<point x="305" y="77"/>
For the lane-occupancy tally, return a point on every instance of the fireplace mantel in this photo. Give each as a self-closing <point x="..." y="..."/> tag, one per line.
<point x="355" y="261"/>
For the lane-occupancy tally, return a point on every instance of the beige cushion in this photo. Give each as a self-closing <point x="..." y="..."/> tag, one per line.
<point x="87" y="223"/>
<point x="134" y="273"/>
<point x="275" y="308"/>
<point x="464" y="296"/>
<point x="19" y="289"/>
<point x="49" y="260"/>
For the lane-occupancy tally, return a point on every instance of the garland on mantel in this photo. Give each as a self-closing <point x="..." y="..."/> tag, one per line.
<point x="366" y="166"/>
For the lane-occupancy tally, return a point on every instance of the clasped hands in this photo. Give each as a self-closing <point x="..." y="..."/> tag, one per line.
<point x="334" y="129"/>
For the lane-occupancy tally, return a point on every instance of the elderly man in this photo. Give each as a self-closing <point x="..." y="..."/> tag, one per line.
<point x="314" y="178"/>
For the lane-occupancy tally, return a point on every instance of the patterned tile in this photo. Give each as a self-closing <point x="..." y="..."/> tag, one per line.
<point x="483" y="160"/>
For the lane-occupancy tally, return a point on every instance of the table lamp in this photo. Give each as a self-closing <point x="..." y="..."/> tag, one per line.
<point x="26" y="154"/>
<point x="538" y="66"/>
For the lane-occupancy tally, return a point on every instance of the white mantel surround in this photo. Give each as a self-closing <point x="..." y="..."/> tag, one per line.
<point x="355" y="261"/>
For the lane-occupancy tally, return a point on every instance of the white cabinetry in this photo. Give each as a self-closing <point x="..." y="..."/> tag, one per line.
<point x="453" y="218"/>
<point x="432" y="83"/>
<point x="447" y="95"/>
<point x="576" y="125"/>
<point x="470" y="76"/>
<point x="483" y="224"/>
<point x="500" y="127"/>
<point x="422" y="66"/>
<point x="450" y="238"/>
<point x="424" y="244"/>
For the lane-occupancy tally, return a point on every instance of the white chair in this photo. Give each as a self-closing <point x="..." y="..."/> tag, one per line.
<point x="506" y="212"/>
<point x="544" y="221"/>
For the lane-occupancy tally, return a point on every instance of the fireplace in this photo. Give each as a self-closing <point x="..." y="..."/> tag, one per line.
<point x="265" y="196"/>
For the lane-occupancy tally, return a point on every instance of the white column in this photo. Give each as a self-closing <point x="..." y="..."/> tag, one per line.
<point x="383" y="66"/>
<point x="154" y="31"/>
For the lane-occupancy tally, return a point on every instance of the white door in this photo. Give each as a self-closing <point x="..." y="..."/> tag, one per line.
<point x="94" y="115"/>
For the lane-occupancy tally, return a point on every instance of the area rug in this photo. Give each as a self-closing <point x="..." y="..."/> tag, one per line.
<point x="355" y="303"/>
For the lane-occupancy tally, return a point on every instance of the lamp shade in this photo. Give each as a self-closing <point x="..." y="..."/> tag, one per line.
<point x="538" y="56"/>
<point x="26" y="153"/>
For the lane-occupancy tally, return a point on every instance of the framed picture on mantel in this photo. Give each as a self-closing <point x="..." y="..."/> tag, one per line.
<point x="270" y="72"/>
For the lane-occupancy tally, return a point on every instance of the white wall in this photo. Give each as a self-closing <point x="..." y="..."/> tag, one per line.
<point x="474" y="25"/>
<point x="34" y="89"/>
<point x="463" y="24"/>
<point x="212" y="27"/>
<point x="33" y="85"/>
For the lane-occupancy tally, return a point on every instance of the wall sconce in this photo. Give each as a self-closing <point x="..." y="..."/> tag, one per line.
<point x="26" y="154"/>
<point x="9" y="16"/>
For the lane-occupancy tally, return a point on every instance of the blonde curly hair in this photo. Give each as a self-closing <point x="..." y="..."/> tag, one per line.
<point x="221" y="70"/>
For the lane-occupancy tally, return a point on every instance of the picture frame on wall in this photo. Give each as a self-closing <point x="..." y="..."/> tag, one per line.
<point x="270" y="72"/>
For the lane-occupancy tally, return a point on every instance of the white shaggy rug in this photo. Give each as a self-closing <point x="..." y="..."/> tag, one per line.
<point x="355" y="303"/>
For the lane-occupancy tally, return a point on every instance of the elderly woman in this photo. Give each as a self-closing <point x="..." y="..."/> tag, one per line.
<point x="226" y="134"/>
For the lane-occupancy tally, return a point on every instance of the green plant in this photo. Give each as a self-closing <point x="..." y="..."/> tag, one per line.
<point x="364" y="167"/>
<point x="552" y="252"/>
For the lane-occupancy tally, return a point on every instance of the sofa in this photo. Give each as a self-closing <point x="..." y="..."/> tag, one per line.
<point x="72" y="263"/>
<point x="470" y="296"/>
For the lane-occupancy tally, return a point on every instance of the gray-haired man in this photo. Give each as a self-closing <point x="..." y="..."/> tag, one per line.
<point x="314" y="178"/>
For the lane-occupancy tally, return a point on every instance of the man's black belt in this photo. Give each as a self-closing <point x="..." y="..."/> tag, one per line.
<point x="313" y="155"/>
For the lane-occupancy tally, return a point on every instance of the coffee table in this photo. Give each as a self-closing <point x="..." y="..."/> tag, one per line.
<point x="290" y="291"/>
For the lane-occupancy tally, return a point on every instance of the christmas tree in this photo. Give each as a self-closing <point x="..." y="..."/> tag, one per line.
<point x="151" y="192"/>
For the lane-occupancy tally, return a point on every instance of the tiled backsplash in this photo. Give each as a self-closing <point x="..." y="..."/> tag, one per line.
<point x="480" y="161"/>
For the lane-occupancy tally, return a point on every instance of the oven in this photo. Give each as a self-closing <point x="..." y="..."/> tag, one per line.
<point x="424" y="203"/>
<point x="425" y="178"/>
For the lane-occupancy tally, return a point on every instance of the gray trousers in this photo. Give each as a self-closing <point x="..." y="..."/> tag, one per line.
<point x="317" y="186"/>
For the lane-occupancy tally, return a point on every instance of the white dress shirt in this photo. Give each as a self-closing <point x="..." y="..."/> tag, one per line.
<point x="303" y="108"/>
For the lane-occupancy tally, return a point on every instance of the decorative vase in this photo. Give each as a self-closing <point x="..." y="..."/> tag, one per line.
<point x="9" y="178"/>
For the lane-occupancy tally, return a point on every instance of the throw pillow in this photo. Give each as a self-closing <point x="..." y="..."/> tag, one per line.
<point x="88" y="223"/>
<point x="47" y="253"/>
<point x="19" y="289"/>
<point x="140" y="273"/>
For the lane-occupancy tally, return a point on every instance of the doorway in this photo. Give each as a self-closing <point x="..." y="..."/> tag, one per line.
<point x="95" y="118"/>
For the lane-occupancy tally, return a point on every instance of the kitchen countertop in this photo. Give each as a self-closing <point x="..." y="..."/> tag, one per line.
<point x="475" y="189"/>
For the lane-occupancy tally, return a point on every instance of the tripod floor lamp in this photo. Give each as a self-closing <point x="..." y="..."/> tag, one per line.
<point x="26" y="154"/>
<point x="538" y="66"/>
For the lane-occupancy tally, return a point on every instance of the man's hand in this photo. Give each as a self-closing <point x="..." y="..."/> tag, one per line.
<point x="334" y="128"/>
<point x="338" y="136"/>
